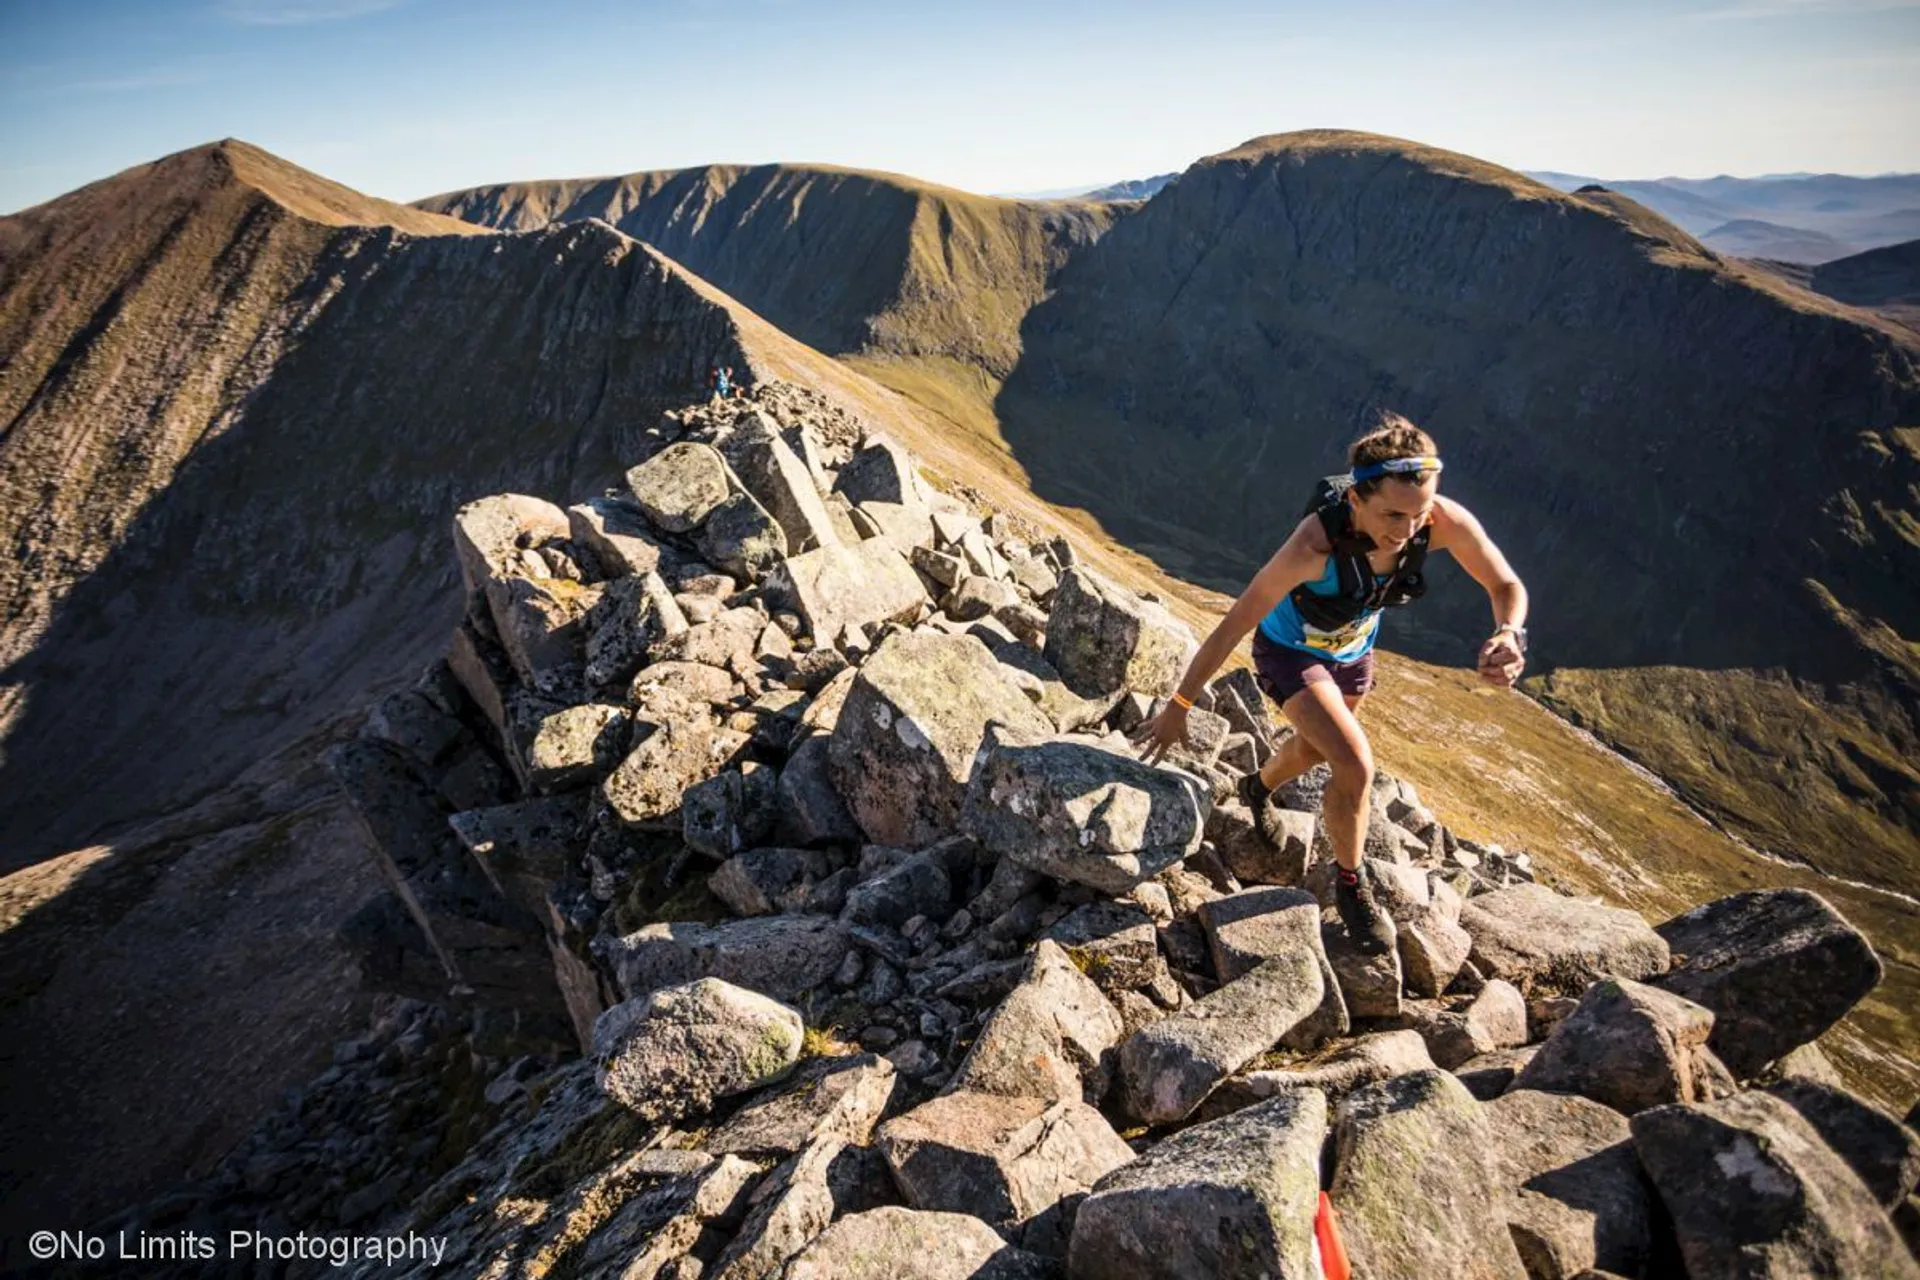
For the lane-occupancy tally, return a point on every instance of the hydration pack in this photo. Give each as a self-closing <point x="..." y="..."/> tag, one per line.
<point x="1361" y="589"/>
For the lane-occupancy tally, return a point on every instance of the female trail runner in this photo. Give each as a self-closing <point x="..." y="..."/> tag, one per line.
<point x="1317" y="604"/>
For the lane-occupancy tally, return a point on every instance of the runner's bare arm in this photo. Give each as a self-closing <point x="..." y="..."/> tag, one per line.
<point x="1300" y="559"/>
<point x="1456" y="530"/>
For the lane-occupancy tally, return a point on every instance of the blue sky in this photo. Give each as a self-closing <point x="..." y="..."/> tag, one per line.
<point x="405" y="98"/>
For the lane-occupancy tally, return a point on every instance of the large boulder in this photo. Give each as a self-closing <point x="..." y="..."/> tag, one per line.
<point x="1076" y="810"/>
<point x="482" y="939"/>
<point x="679" y="487"/>
<point x="1629" y="1046"/>
<point x="780" y="956"/>
<point x="790" y="1208"/>
<point x="1168" y="1068"/>
<point x="1534" y="937"/>
<point x="776" y="476"/>
<point x="490" y="535"/>
<point x="823" y="1097"/>
<point x="1244" y="929"/>
<point x="525" y="848"/>
<point x="918" y="885"/>
<point x="1051" y="1038"/>
<point x="1753" y="1190"/>
<point x="1881" y="1149"/>
<point x="1232" y="1199"/>
<point x="616" y="534"/>
<point x="810" y="808"/>
<point x="839" y="585"/>
<point x="1116" y="944"/>
<point x="1579" y="1199"/>
<point x="1776" y="966"/>
<point x="542" y="625"/>
<point x="762" y="882"/>
<point x="893" y="1243"/>
<point x="729" y="639"/>
<point x="673" y="739"/>
<point x="1103" y="638"/>
<point x="742" y="538"/>
<point x="730" y="811"/>
<point x="1496" y="1018"/>
<point x="1002" y="1159"/>
<point x="634" y="614"/>
<point x="1360" y="1062"/>
<point x="1417" y="1183"/>
<point x="1250" y="855"/>
<point x="1432" y="948"/>
<point x="577" y="746"/>
<point x="677" y="1202"/>
<point x="882" y="470"/>
<point x="1369" y="983"/>
<point x="677" y="1050"/>
<point x="905" y="745"/>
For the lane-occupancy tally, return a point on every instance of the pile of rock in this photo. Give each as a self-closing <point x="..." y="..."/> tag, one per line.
<point x="804" y="789"/>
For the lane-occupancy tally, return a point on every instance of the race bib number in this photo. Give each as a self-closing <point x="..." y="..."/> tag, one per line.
<point x="1339" y="639"/>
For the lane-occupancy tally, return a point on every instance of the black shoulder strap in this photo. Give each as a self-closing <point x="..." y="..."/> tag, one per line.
<point x="1405" y="582"/>
<point x="1349" y="548"/>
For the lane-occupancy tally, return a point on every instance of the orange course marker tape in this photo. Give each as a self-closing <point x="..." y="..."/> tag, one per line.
<point x="1326" y="1236"/>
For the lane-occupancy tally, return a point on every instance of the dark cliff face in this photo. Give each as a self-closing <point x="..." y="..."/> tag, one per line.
<point x="234" y="441"/>
<point x="843" y="260"/>
<point x="1689" y="464"/>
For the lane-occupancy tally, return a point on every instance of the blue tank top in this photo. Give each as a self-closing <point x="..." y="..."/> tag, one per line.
<point x="1284" y="625"/>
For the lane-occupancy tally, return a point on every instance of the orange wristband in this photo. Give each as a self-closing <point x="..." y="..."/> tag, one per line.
<point x="1182" y="701"/>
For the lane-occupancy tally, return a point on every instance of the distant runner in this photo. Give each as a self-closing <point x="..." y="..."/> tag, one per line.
<point x="1317" y="602"/>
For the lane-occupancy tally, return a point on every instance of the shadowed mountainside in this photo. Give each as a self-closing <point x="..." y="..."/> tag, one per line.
<point x="1695" y="466"/>
<point x="844" y="260"/>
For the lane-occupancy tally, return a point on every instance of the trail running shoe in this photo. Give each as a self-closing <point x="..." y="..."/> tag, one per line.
<point x="1367" y="923"/>
<point x="1258" y="798"/>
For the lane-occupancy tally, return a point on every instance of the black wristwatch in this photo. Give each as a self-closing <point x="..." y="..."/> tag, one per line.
<point x="1519" y="634"/>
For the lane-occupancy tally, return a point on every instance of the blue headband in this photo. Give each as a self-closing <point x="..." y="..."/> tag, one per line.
<point x="1397" y="466"/>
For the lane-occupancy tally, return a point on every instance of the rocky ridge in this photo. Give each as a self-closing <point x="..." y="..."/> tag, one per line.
<point x="795" y="796"/>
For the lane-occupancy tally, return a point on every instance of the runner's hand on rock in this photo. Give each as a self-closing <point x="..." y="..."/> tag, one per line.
<point x="1162" y="733"/>
<point x="1501" y="660"/>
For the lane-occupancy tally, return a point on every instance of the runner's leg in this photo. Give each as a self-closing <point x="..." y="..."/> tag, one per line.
<point x="1296" y="755"/>
<point x="1320" y="715"/>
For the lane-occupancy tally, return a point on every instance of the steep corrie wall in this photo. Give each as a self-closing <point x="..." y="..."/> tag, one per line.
<point x="846" y="261"/>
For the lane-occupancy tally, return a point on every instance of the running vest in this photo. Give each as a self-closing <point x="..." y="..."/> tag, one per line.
<point x="1337" y="615"/>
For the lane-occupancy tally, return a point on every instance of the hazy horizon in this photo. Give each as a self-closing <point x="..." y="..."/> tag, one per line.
<point x="407" y="98"/>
